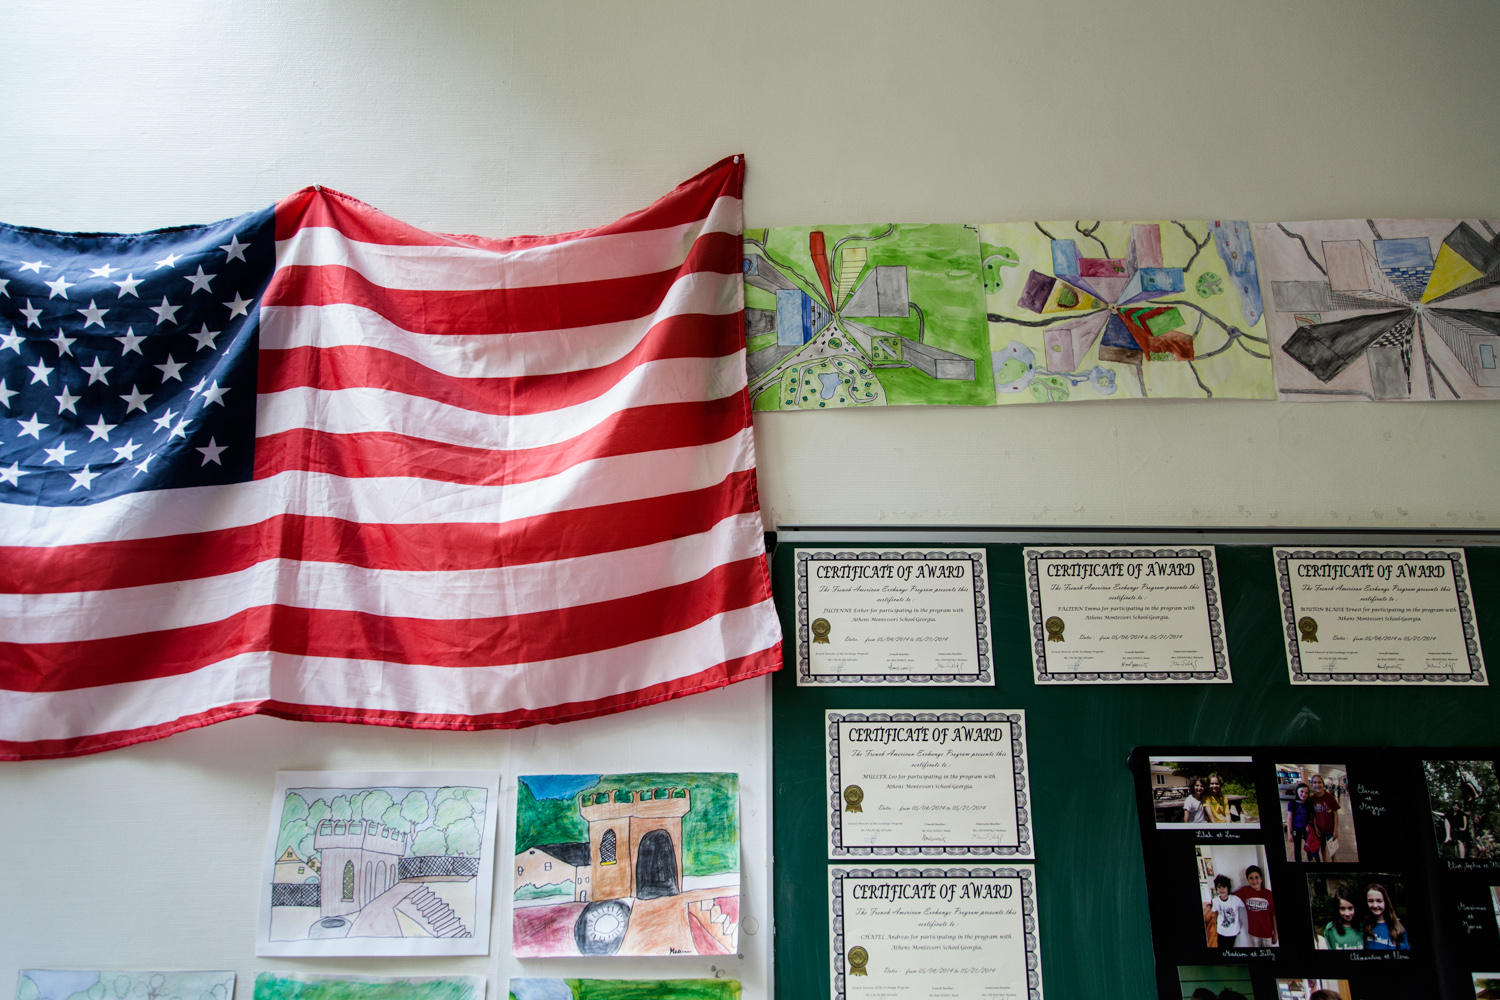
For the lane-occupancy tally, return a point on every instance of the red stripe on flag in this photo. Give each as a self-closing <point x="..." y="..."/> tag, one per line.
<point x="568" y="534"/>
<point x="456" y="643"/>
<point x="346" y="367"/>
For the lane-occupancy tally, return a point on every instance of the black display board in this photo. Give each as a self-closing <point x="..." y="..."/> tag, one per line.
<point x="1095" y="921"/>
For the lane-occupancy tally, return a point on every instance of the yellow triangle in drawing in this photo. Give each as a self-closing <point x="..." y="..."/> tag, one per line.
<point x="1068" y="298"/>
<point x="1449" y="271"/>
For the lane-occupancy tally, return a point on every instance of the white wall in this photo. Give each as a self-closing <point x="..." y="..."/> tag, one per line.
<point x="503" y="118"/>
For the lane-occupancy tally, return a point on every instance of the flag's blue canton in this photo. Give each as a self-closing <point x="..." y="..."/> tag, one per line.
<point x="128" y="362"/>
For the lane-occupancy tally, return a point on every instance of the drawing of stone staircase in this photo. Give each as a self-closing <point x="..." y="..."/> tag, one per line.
<point x="432" y="914"/>
<point x="715" y="924"/>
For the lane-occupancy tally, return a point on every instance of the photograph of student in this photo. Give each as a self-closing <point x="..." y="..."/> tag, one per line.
<point x="1487" y="986"/>
<point x="1214" y="982"/>
<point x="1195" y="793"/>
<point x="1313" y="989"/>
<point x="1317" y="821"/>
<point x="1260" y="910"/>
<point x="1465" y="800"/>
<point x="1343" y="932"/>
<point x="1228" y="912"/>
<point x="1495" y="902"/>
<point x="1383" y="928"/>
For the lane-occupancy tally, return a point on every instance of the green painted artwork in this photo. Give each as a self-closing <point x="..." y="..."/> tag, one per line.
<point x="624" y="989"/>
<point x="68" y="984"/>
<point x="1124" y="310"/>
<point x="627" y="864"/>
<point x="879" y="315"/>
<point x="294" y="986"/>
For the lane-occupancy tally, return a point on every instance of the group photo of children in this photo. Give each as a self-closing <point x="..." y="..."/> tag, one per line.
<point x="1196" y="792"/>
<point x="1239" y="910"/>
<point x="1358" y="913"/>
<point x="1313" y="989"/>
<point x="1465" y="800"/>
<point x="1316" y="815"/>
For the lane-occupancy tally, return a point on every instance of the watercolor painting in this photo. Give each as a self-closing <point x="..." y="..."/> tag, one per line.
<point x="59" y="984"/>
<point x="295" y="986"/>
<point x="363" y="863"/>
<point x="880" y="315"/>
<point x="627" y="864"/>
<point x="1383" y="309"/>
<point x="624" y="989"/>
<point x="1091" y="310"/>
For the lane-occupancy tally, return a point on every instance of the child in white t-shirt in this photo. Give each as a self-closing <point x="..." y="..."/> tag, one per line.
<point x="1229" y="913"/>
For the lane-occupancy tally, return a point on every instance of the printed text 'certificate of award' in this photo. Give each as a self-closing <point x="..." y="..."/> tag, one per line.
<point x="935" y="934"/>
<point x="928" y="784"/>
<point x="1126" y="616"/>
<point x="892" y="616"/>
<point x="1378" y="616"/>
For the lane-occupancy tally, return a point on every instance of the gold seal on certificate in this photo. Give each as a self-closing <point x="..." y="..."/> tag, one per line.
<point x="954" y="933"/>
<point x="1126" y="616"/>
<point x="928" y="784"/>
<point x="892" y="616"/>
<point x="1378" y="616"/>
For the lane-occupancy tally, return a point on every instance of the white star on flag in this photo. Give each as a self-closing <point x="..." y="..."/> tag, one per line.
<point x="102" y="272"/>
<point x="5" y="393"/>
<point x="32" y="315"/>
<point x="200" y="280"/>
<point x="39" y="373"/>
<point x="64" y="344"/>
<point x="92" y="315"/>
<point x="180" y="430"/>
<point x="130" y="342"/>
<point x="3" y="283"/>
<point x="11" y="340"/>
<point x="13" y="474"/>
<point x="171" y="369"/>
<point x="214" y="394"/>
<point x="162" y="421"/>
<point x="170" y="260"/>
<point x="33" y="265"/>
<point x="239" y="307"/>
<point x="136" y="400"/>
<point x="97" y="371"/>
<point x="60" y="286"/>
<point x="67" y="402"/>
<point x="34" y="427"/>
<point x="234" y="248"/>
<point x="126" y="451"/>
<point x="166" y="312"/>
<point x="99" y="431"/>
<point x="212" y="452"/>
<point x="127" y="287"/>
<point x="84" y="479"/>
<point x="58" y="454"/>
<point x="199" y="387"/>
<point x="144" y="465"/>
<point x="205" y="337"/>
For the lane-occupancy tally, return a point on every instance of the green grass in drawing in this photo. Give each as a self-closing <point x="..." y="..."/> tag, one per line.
<point x="624" y="989"/>
<point x="288" y="986"/>
<point x="886" y="314"/>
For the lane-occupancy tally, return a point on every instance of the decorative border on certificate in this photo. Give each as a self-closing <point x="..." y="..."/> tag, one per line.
<point x="1215" y="601"/>
<point x="1028" y="913"/>
<point x="976" y="558"/>
<point x="1460" y="569"/>
<point x="1023" y="849"/>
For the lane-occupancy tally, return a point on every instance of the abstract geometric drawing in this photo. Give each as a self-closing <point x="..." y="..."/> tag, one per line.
<point x="1095" y="310"/>
<point x="1383" y="309"/>
<point x="865" y="316"/>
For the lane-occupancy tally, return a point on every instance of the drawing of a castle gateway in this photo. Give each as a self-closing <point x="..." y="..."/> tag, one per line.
<point x="636" y="844"/>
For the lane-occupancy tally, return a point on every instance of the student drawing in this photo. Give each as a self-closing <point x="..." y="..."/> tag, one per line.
<point x="627" y="864"/>
<point x="296" y="986"/>
<point x="379" y="864"/>
<point x="57" y="984"/>
<point x="624" y="989"/>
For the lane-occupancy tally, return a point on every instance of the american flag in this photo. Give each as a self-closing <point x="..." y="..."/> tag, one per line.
<point x="316" y="463"/>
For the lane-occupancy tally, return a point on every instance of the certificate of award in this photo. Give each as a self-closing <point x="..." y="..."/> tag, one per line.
<point x="928" y="784"/>
<point x="892" y="616"/>
<point x="949" y="933"/>
<point x="1126" y="616"/>
<point x="1378" y="616"/>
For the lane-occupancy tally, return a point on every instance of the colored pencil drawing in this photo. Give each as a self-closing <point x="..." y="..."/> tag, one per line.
<point x="888" y="314"/>
<point x="296" y="986"/>
<point x="624" y="989"/>
<point x="627" y="864"/>
<point x="372" y="864"/>
<point x="1383" y="309"/>
<point x="1124" y="310"/>
<point x="58" y="984"/>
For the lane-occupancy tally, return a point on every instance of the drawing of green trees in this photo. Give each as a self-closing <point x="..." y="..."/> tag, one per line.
<point x="271" y="986"/>
<point x="445" y="821"/>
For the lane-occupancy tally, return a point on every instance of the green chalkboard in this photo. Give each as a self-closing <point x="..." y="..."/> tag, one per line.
<point x="1095" y="925"/>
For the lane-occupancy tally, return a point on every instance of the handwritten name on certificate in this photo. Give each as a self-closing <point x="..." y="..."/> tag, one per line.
<point x="949" y="933"/>
<point x="1378" y="616"/>
<point x="892" y="616"/>
<point x="933" y="784"/>
<point x="1126" y="616"/>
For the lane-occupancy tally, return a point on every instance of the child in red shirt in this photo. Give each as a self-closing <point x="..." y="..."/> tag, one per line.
<point x="1260" y="910"/>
